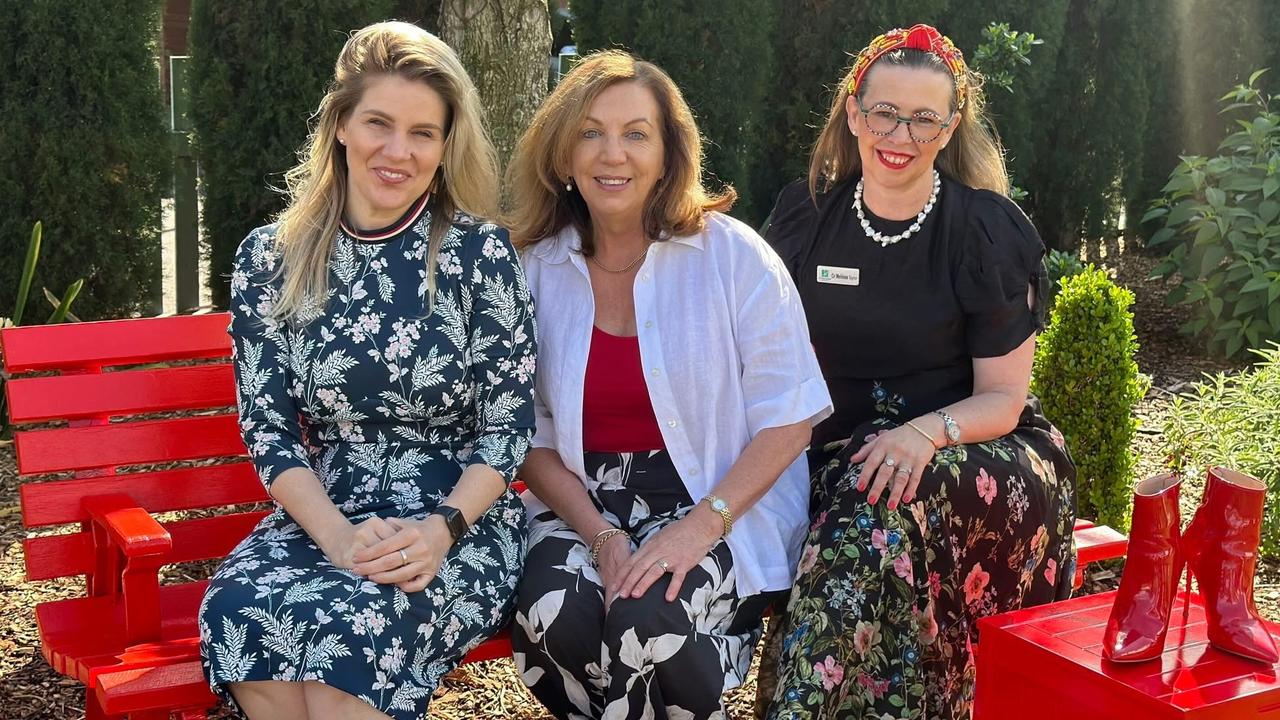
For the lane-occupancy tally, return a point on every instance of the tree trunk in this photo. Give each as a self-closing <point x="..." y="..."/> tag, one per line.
<point x="506" y="46"/>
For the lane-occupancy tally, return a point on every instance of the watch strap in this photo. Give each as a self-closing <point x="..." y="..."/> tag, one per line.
<point x="453" y="519"/>
<point x="721" y="508"/>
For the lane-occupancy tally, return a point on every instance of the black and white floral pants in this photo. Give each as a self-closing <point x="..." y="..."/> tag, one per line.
<point x="646" y="657"/>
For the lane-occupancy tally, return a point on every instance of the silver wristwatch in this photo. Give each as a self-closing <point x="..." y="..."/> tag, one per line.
<point x="949" y="424"/>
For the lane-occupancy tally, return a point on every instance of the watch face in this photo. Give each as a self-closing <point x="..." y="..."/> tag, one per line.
<point x="953" y="432"/>
<point x="719" y="505"/>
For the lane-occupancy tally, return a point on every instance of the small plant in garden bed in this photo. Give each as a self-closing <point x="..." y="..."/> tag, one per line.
<point x="1233" y="420"/>
<point x="1088" y="381"/>
<point x="61" y="308"/>
<point x="1221" y="222"/>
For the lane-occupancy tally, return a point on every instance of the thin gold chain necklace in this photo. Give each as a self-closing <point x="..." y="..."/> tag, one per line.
<point x="627" y="267"/>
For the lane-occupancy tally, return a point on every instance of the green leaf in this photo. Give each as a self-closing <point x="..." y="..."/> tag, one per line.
<point x="1253" y="77"/>
<point x="1152" y="214"/>
<point x="1270" y="185"/>
<point x="1215" y="306"/>
<point x="1259" y="282"/>
<point x="64" y="307"/>
<point x="1207" y="233"/>
<point x="1273" y="291"/>
<point x="1234" y="343"/>
<point x="1161" y="236"/>
<point x="1213" y="256"/>
<point x="1216" y="197"/>
<point x="1268" y="210"/>
<point x="28" y="272"/>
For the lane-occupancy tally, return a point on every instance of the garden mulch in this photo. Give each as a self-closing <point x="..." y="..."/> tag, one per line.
<point x="30" y="690"/>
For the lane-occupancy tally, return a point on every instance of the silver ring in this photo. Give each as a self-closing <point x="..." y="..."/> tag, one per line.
<point x="890" y="462"/>
<point x="664" y="565"/>
<point x="403" y="557"/>
<point x="903" y="470"/>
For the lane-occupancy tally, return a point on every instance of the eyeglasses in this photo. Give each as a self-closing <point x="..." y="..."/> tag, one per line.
<point x="923" y="127"/>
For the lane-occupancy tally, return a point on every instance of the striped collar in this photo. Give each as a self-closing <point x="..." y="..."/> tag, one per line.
<point x="386" y="233"/>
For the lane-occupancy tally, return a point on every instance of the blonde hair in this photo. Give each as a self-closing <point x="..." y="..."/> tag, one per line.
<point x="974" y="156"/>
<point x="541" y="206"/>
<point x="466" y="180"/>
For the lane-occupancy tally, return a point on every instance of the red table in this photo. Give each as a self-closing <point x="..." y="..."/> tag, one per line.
<point x="1045" y="663"/>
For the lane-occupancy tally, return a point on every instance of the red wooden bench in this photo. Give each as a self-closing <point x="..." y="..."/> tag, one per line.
<point x="130" y="639"/>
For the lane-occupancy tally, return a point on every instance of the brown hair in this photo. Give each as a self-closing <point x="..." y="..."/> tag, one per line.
<point x="541" y="206"/>
<point x="974" y="156"/>
<point x="318" y="184"/>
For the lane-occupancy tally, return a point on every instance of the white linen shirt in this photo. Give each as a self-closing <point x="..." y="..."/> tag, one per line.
<point x="726" y="353"/>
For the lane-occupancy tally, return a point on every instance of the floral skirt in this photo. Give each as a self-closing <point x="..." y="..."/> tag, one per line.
<point x="645" y="658"/>
<point x="881" y="619"/>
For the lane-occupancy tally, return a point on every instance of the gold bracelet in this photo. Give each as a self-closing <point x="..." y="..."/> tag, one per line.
<point x="597" y="544"/>
<point x="926" y="435"/>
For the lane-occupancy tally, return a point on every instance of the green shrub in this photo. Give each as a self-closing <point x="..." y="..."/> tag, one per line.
<point x="258" y="71"/>
<point x="83" y="147"/>
<point x="1088" y="381"/>
<point x="1220" y="218"/>
<point x="1061" y="265"/>
<point x="1231" y="420"/>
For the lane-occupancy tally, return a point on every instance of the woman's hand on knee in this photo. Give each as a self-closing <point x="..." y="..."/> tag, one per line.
<point x="893" y="462"/>
<point x="676" y="549"/>
<point x="410" y="557"/>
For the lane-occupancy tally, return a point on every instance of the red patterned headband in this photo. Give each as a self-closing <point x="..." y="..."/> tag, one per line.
<point x="917" y="37"/>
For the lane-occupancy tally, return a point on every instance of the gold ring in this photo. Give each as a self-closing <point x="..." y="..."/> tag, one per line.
<point x="404" y="558"/>
<point x="664" y="565"/>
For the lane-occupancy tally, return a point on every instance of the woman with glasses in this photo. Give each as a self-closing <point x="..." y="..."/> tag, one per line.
<point x="941" y="494"/>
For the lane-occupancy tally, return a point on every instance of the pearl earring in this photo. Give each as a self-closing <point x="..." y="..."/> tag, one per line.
<point x="568" y="185"/>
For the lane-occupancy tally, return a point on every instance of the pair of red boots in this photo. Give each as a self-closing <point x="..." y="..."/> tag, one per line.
<point x="1220" y="547"/>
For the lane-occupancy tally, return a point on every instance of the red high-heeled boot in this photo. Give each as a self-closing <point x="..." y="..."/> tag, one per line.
<point x="1221" y="547"/>
<point x="1140" y="616"/>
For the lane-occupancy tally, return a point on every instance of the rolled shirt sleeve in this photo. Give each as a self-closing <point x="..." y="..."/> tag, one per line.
<point x="781" y="381"/>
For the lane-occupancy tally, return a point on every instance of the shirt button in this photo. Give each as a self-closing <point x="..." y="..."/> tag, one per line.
<point x="672" y="423"/>
<point x="693" y="471"/>
<point x="648" y="323"/>
<point x="656" y="372"/>
<point x="645" y="276"/>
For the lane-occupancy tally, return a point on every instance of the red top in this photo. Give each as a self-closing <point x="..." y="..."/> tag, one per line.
<point x="616" y="413"/>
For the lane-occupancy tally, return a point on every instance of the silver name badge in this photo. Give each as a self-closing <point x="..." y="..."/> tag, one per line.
<point x="837" y="275"/>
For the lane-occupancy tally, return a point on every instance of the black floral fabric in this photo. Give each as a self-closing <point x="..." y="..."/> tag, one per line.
<point x="645" y="657"/>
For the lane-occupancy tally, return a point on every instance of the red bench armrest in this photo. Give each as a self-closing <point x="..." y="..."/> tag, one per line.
<point x="121" y="529"/>
<point x="130" y="528"/>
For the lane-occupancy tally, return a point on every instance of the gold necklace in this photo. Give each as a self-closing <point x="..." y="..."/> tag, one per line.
<point x="628" y="266"/>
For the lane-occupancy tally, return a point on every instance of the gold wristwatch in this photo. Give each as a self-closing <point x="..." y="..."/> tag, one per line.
<point x="721" y="508"/>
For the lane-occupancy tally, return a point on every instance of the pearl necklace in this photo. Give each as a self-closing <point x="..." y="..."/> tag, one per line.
<point x="879" y="237"/>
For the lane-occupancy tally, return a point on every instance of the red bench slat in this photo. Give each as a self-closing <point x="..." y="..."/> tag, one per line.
<point x="72" y="397"/>
<point x="134" y="443"/>
<point x="59" y="501"/>
<point x="115" y="342"/>
<point x="54" y="556"/>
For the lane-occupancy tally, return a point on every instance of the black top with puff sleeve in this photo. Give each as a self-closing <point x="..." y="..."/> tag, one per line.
<point x="900" y="343"/>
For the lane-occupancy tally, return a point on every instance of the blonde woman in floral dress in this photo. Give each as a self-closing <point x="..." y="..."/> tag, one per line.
<point x="941" y="493"/>
<point x="384" y="356"/>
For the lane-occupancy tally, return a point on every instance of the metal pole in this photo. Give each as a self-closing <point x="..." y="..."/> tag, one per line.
<point x="186" y="218"/>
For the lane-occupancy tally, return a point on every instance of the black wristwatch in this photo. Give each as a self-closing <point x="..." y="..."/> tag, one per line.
<point x="453" y="518"/>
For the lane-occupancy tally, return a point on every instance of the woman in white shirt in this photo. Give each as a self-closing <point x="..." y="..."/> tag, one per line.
<point x="676" y="391"/>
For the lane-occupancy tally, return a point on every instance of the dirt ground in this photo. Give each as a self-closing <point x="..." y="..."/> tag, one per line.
<point x="30" y="690"/>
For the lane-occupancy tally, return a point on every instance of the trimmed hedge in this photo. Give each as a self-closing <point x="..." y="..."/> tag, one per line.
<point x="84" y="150"/>
<point x="259" y="69"/>
<point x="1088" y="382"/>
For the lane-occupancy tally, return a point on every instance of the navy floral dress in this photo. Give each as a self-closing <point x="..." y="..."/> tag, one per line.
<point x="881" y="620"/>
<point x="387" y="403"/>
